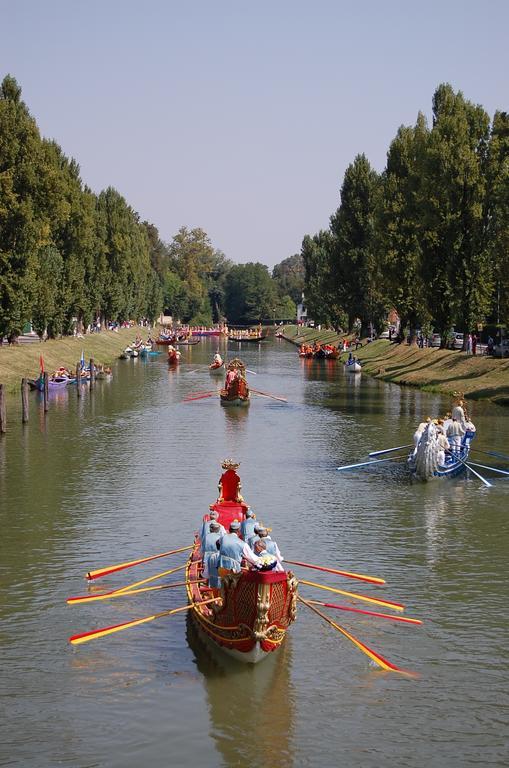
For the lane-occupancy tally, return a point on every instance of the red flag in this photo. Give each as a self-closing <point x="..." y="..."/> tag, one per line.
<point x="41" y="363"/>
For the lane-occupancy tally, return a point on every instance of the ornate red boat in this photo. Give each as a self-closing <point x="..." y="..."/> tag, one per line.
<point x="236" y="390"/>
<point x="256" y="607"/>
<point x="173" y="357"/>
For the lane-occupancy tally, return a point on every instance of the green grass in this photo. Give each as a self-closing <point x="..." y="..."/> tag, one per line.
<point x="22" y="360"/>
<point x="434" y="370"/>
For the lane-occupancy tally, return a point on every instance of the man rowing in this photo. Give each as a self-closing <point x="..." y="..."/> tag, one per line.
<point x="233" y="550"/>
<point x="247" y="526"/>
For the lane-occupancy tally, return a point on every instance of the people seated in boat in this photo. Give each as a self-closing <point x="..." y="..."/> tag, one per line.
<point x="269" y="562"/>
<point x="209" y="544"/>
<point x="205" y="527"/>
<point x="455" y="432"/>
<point x="218" y="360"/>
<point x="418" y="434"/>
<point x="214" y="578"/>
<point x="443" y="445"/>
<point x="272" y="547"/>
<point x="247" y="525"/>
<point x="233" y="550"/>
<point x="255" y="537"/>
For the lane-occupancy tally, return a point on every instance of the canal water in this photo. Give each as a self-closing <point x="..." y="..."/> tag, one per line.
<point x="129" y="469"/>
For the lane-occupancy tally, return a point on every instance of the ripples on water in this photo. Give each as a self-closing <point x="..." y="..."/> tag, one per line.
<point x="130" y="470"/>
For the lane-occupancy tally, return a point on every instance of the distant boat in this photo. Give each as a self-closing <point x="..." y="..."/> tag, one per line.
<point x="353" y="366"/>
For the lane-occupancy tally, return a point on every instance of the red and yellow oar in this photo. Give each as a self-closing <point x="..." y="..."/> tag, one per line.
<point x="373" y="655"/>
<point x="389" y="616"/>
<point x="100" y="572"/>
<point x="359" y="576"/>
<point x="114" y="593"/>
<point x="364" y="598"/>
<point x="84" y="637"/>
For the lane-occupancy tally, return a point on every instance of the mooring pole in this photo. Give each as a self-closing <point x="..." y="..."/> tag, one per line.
<point x="24" y="401"/>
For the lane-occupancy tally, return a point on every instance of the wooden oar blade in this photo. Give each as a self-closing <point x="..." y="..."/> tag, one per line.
<point x="348" y="574"/>
<point x="377" y="658"/>
<point x="100" y="572"/>
<point x="349" y="609"/>
<point x="84" y="637"/>
<point x="355" y="596"/>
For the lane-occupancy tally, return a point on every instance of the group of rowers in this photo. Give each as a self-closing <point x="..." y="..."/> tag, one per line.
<point x="247" y="542"/>
<point x="316" y="347"/>
<point x="246" y="333"/>
<point x="452" y="432"/>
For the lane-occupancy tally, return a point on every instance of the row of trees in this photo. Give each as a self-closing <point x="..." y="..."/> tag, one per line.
<point x="69" y="256"/>
<point x="428" y="236"/>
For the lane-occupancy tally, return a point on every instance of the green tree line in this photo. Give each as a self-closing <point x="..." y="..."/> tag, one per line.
<point x="428" y="236"/>
<point x="69" y="256"/>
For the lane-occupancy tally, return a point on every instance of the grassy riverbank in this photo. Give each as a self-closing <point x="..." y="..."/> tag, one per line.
<point x="436" y="370"/>
<point x="22" y="360"/>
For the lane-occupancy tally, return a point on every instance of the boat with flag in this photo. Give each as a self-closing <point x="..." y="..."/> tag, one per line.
<point x="257" y="606"/>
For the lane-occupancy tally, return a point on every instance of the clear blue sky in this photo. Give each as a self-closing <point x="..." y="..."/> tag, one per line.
<point x="241" y="117"/>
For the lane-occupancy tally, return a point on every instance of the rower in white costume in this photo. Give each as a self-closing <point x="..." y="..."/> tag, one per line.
<point x="233" y="550"/>
<point x="247" y="526"/>
<point x="218" y="359"/>
<point x="418" y="434"/>
<point x="455" y="432"/>
<point x="443" y="446"/>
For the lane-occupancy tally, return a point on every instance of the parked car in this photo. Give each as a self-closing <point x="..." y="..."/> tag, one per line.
<point x="457" y="340"/>
<point x="501" y="349"/>
<point x="435" y="340"/>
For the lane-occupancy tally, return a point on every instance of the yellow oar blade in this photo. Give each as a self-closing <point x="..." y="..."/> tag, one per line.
<point x="84" y="637"/>
<point x="109" y="595"/>
<point x="348" y="574"/>
<point x="151" y="578"/>
<point x="365" y="598"/>
<point x="373" y="655"/>
<point x="100" y="572"/>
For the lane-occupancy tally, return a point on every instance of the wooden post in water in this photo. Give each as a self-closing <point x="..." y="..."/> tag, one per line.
<point x="3" y="421"/>
<point x="78" y="377"/>
<point x="24" y="401"/>
<point x="46" y="391"/>
<point x="92" y="373"/>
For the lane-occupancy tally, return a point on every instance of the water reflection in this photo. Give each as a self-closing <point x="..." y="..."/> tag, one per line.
<point x="251" y="717"/>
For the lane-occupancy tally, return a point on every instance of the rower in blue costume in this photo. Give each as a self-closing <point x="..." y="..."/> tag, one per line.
<point x="209" y="545"/>
<point x="205" y="528"/>
<point x="272" y="547"/>
<point x="255" y="536"/>
<point x="247" y="525"/>
<point x="234" y="549"/>
<point x="213" y="565"/>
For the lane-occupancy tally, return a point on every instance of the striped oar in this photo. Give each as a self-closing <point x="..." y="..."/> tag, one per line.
<point x="84" y="637"/>
<point x="363" y="598"/>
<point x="128" y="593"/>
<point x="359" y="576"/>
<point x="373" y="655"/>
<point x="100" y="572"/>
<point x="348" y="608"/>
